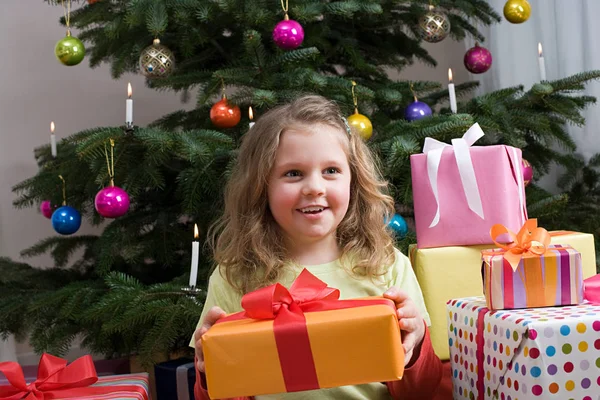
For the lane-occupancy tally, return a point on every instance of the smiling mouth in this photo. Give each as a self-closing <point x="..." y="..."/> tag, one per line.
<point x="312" y="210"/>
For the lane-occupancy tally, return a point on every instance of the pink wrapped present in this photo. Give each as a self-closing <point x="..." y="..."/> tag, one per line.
<point x="460" y="191"/>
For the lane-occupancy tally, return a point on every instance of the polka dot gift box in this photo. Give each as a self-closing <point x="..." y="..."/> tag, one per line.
<point x="535" y="353"/>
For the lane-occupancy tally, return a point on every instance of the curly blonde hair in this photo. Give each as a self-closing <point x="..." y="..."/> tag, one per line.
<point x="246" y="241"/>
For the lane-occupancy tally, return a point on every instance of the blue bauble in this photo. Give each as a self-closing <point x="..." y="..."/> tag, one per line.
<point x="66" y="220"/>
<point x="417" y="110"/>
<point x="398" y="225"/>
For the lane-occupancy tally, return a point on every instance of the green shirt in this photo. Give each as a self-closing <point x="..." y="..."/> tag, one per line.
<point x="400" y="274"/>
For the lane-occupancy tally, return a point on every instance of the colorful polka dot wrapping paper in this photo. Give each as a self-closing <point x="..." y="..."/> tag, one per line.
<point x="461" y="265"/>
<point x="554" y="278"/>
<point x="536" y="353"/>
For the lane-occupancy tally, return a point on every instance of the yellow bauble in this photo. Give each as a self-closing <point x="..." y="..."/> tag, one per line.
<point x="517" y="11"/>
<point x="361" y="124"/>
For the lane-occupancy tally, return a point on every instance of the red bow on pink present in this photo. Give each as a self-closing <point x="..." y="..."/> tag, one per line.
<point x="55" y="380"/>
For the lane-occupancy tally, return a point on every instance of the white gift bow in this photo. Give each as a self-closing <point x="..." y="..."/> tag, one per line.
<point x="434" y="149"/>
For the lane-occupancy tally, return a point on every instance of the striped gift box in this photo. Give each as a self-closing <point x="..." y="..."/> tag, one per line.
<point x="123" y="385"/>
<point x="551" y="279"/>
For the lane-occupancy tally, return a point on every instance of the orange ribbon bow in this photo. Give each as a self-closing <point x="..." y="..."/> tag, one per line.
<point x="530" y="240"/>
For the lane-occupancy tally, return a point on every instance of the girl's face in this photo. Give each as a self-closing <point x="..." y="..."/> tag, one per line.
<point x="309" y="185"/>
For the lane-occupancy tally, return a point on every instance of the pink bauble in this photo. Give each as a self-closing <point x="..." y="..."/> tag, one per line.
<point x="112" y="202"/>
<point x="527" y="172"/>
<point x="478" y="59"/>
<point x="47" y="209"/>
<point x="288" y="34"/>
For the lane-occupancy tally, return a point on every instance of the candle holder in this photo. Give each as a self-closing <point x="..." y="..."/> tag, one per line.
<point x="192" y="292"/>
<point x="128" y="128"/>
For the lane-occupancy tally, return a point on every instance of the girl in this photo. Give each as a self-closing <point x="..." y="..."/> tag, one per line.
<point x="306" y="193"/>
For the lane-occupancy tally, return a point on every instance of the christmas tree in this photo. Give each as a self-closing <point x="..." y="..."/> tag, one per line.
<point x="124" y="294"/>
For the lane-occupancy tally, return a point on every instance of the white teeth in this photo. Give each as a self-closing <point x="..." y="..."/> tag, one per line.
<point x="311" y="209"/>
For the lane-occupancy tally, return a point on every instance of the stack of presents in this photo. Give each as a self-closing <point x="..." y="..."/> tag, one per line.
<point x="512" y="306"/>
<point x="508" y="300"/>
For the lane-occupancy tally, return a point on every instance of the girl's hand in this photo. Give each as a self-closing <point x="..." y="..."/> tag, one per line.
<point x="410" y="321"/>
<point x="209" y="320"/>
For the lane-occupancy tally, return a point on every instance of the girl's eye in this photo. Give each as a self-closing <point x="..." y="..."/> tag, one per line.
<point x="332" y="170"/>
<point x="292" y="174"/>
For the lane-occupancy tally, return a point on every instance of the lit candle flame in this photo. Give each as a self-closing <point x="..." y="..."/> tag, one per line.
<point x="250" y="113"/>
<point x="129" y="91"/>
<point x="450" y="74"/>
<point x="52" y="127"/>
<point x="195" y="231"/>
<point x="540" y="49"/>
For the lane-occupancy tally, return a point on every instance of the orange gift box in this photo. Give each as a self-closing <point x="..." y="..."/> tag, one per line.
<point x="303" y="339"/>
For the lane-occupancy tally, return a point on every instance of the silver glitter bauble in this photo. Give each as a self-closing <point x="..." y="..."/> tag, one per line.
<point x="434" y="26"/>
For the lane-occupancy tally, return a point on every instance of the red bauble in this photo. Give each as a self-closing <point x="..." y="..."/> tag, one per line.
<point x="224" y="114"/>
<point x="92" y="1"/>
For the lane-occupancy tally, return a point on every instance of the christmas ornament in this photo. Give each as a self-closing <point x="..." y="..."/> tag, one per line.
<point x="288" y="34"/>
<point x="46" y="208"/>
<point x="361" y="124"/>
<point x="69" y="50"/>
<point x="92" y="1"/>
<point x="66" y="220"/>
<point x="156" y="61"/>
<point x="225" y="114"/>
<point x="517" y="11"/>
<point x="478" y="59"/>
<point x="417" y="109"/>
<point x="112" y="201"/>
<point x="434" y="26"/>
<point x="527" y="172"/>
<point x="398" y="225"/>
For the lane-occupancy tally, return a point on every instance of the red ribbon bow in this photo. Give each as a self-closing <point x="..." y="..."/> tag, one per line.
<point x="56" y="379"/>
<point x="287" y="308"/>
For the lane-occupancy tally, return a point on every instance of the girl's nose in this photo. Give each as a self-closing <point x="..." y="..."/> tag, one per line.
<point x="314" y="185"/>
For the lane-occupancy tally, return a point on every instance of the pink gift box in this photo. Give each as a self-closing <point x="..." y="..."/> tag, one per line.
<point x="497" y="185"/>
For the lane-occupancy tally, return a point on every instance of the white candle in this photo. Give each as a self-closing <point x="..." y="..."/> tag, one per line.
<point x="52" y="140"/>
<point x="250" y="116"/>
<point x="451" y="92"/>
<point x="195" y="254"/>
<point x="541" y="63"/>
<point x="129" y="106"/>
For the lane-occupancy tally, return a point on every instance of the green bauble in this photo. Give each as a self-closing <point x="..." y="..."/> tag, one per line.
<point x="69" y="50"/>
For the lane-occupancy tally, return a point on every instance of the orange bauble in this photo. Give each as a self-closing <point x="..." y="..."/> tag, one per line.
<point x="224" y="114"/>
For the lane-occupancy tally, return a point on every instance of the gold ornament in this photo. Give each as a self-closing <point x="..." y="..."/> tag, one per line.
<point x="361" y="124"/>
<point x="434" y="26"/>
<point x="157" y="61"/>
<point x="517" y="11"/>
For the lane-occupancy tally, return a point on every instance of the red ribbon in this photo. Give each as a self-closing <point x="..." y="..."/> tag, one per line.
<point x="56" y="379"/>
<point x="287" y="308"/>
<point x="479" y="354"/>
<point x="591" y="289"/>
